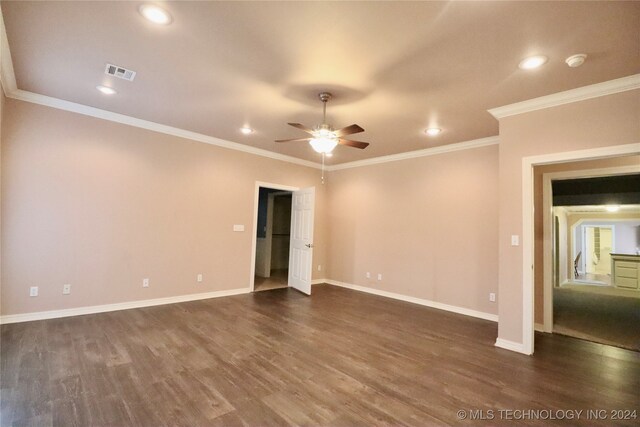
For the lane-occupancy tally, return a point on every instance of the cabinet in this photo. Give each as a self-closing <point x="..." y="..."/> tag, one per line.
<point x="625" y="270"/>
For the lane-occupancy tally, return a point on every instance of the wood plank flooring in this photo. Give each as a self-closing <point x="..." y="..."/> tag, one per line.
<point x="280" y="358"/>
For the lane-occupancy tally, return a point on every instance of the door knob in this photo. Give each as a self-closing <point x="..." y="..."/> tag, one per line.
<point x="309" y="245"/>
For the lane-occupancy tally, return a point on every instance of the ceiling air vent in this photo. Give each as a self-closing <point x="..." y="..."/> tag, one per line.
<point x="121" y="73"/>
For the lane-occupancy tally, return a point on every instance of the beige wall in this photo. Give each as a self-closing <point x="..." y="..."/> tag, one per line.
<point x="599" y="122"/>
<point x="429" y="225"/>
<point x="538" y="173"/>
<point x="101" y="205"/>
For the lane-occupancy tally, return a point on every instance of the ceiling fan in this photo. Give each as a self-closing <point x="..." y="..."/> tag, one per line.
<point x="323" y="137"/>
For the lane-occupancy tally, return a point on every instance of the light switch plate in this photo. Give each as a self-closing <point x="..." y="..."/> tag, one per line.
<point x="238" y="227"/>
<point x="515" y="240"/>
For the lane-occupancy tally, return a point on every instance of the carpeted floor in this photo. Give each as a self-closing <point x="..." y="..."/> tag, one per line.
<point x="607" y="319"/>
<point x="605" y="290"/>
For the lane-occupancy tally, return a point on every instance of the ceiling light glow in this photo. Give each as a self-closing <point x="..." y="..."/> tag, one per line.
<point x="533" y="62"/>
<point x="613" y="208"/>
<point x="433" y="131"/>
<point x="106" y="90"/>
<point x="246" y="130"/>
<point x="155" y="14"/>
<point x="323" y="144"/>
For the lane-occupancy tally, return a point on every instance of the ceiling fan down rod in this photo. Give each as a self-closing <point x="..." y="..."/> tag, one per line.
<point x="324" y="97"/>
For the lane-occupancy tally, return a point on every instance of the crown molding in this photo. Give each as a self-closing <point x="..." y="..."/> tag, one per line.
<point x="7" y="76"/>
<point x="73" y="107"/>
<point x="568" y="96"/>
<point x="8" y="82"/>
<point x="449" y="148"/>
<point x="9" y="86"/>
<point x="60" y="104"/>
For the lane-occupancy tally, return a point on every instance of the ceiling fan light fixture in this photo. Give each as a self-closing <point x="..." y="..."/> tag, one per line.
<point x="323" y="144"/>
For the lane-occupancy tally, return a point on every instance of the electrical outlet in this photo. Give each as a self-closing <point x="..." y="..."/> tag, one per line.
<point x="33" y="291"/>
<point x="145" y="283"/>
<point x="319" y="267"/>
<point x="368" y="275"/>
<point x="492" y="297"/>
<point x="66" y="289"/>
<point x="379" y="276"/>
<point x="199" y="279"/>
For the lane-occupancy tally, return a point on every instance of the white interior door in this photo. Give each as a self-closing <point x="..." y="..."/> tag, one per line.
<point x="301" y="252"/>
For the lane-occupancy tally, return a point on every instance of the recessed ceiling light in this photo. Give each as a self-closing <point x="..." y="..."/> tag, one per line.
<point x="329" y="154"/>
<point x="155" y="14"/>
<point x="532" y="62"/>
<point x="106" y="90"/>
<point x="576" y="60"/>
<point x="613" y="208"/>
<point x="433" y="131"/>
<point x="246" y="130"/>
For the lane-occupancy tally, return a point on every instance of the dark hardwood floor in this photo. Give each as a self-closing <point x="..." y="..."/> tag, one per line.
<point x="280" y="358"/>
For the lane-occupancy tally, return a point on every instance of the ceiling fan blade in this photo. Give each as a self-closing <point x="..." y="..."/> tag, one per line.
<point x="293" y="140"/>
<point x="347" y="130"/>
<point x="355" y="144"/>
<point x="301" y="127"/>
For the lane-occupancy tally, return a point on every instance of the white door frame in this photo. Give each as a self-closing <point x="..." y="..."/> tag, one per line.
<point x="254" y="236"/>
<point x="528" y="325"/>
<point x="547" y="237"/>
<point x="583" y="230"/>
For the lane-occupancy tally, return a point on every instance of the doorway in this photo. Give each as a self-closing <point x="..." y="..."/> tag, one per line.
<point x="586" y="229"/>
<point x="597" y="246"/>
<point x="283" y="224"/>
<point x="273" y="239"/>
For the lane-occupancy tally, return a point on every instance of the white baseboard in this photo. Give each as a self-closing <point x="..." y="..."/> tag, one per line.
<point x="539" y="327"/>
<point x="54" y="314"/>
<point x="420" y="301"/>
<point x="511" y="345"/>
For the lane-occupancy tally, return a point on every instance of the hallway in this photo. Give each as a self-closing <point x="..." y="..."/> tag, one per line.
<point x="597" y="317"/>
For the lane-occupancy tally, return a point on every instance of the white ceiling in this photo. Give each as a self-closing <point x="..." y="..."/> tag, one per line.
<point x="395" y="68"/>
